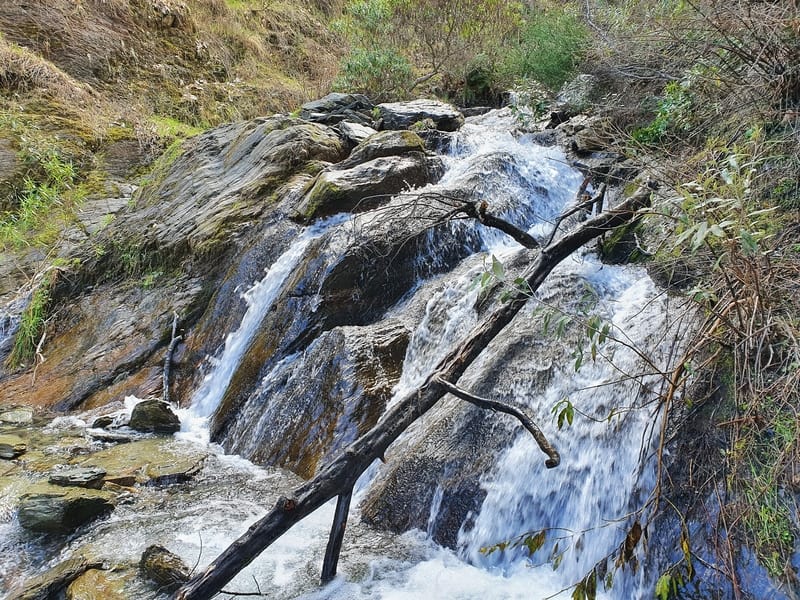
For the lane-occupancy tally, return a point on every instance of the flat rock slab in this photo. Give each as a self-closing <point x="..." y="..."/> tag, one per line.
<point x="95" y="584"/>
<point x="11" y="446"/>
<point x="51" y="583"/>
<point x="55" y="509"/>
<point x="87" y="477"/>
<point x="149" y="461"/>
<point x="17" y="416"/>
<point x="402" y="115"/>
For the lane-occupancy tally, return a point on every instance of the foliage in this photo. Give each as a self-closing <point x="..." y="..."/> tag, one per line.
<point x="551" y="44"/>
<point x="673" y="114"/>
<point x="31" y="326"/>
<point x="383" y="74"/>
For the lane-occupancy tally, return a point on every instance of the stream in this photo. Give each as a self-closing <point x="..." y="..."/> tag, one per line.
<point x="585" y="507"/>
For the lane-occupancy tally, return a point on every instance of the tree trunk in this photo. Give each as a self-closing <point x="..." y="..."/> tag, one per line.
<point x="338" y="477"/>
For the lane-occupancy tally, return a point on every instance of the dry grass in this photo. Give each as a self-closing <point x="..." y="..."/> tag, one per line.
<point x="22" y="71"/>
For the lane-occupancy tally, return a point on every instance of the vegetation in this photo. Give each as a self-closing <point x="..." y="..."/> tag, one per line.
<point x="707" y="92"/>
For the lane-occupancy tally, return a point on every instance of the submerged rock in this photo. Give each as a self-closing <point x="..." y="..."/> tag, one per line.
<point x="154" y="416"/>
<point x="96" y="584"/>
<point x="11" y="446"/>
<point x="150" y="461"/>
<point x="53" y="509"/>
<point x="165" y="568"/>
<point x="51" y="583"/>
<point x="402" y="115"/>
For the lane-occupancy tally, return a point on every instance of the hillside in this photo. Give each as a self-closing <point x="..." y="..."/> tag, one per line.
<point x="119" y="118"/>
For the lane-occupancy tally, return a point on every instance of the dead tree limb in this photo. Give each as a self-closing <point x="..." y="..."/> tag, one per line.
<point x="336" y="537"/>
<point x="168" y="359"/>
<point x="340" y="475"/>
<point x="554" y="458"/>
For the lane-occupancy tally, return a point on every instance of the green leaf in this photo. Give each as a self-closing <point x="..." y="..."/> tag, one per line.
<point x="534" y="542"/>
<point x="497" y="269"/>
<point x="749" y="244"/>
<point x="662" y="586"/>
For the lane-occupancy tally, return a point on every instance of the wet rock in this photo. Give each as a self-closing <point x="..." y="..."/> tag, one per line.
<point x="355" y="133"/>
<point x="152" y="461"/>
<point x="102" y="422"/>
<point x="17" y="416"/>
<point x="51" y="583"/>
<point x="164" y="567"/>
<point x="367" y="185"/>
<point x="382" y="144"/>
<point x="53" y="509"/>
<point x="96" y="584"/>
<point x="402" y="115"/>
<point x="88" y="477"/>
<point x="312" y="408"/>
<point x="114" y="437"/>
<point x="154" y="416"/>
<point x="11" y="446"/>
<point x="337" y="107"/>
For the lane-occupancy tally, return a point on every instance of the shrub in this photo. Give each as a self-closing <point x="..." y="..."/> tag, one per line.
<point x="551" y="45"/>
<point x="381" y="74"/>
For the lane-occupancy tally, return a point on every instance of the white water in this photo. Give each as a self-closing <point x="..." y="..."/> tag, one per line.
<point x="591" y="490"/>
<point x="259" y="299"/>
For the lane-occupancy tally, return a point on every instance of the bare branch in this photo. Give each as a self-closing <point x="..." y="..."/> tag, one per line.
<point x="494" y="405"/>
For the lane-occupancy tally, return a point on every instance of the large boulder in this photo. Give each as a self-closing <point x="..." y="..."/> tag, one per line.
<point x="164" y="568"/>
<point x="381" y="144"/>
<point x="402" y="115"/>
<point x="367" y="185"/>
<point x="154" y="416"/>
<point x="310" y="408"/>
<point x="52" y="509"/>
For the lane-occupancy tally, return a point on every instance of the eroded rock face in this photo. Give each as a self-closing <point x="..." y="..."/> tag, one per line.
<point x="337" y="107"/>
<point x="402" y="115"/>
<point x="312" y="407"/>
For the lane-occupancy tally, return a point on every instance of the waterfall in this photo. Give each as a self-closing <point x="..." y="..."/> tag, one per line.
<point x="586" y="505"/>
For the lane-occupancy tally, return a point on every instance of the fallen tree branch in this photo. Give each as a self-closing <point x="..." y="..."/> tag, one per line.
<point x="340" y="475"/>
<point x="168" y="359"/>
<point x="554" y="458"/>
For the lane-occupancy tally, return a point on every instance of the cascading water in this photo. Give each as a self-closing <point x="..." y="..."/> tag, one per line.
<point x="606" y="470"/>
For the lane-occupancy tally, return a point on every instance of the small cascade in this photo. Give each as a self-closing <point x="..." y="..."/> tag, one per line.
<point x="259" y="299"/>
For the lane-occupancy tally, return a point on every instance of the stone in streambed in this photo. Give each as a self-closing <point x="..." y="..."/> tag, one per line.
<point x="164" y="567"/>
<point x="95" y="584"/>
<point x="402" y="115"/>
<point x="154" y="416"/>
<point x="11" y="446"/>
<point x="17" y="416"/>
<point x="54" y="509"/>
<point x="52" y="582"/>
<point x="87" y="477"/>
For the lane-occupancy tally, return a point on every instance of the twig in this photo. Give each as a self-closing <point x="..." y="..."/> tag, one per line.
<point x="497" y="406"/>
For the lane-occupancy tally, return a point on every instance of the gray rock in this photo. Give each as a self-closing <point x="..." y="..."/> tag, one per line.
<point x="354" y="132"/>
<point x="383" y="144"/>
<point x="402" y="115"/>
<point x="17" y="416"/>
<point x="11" y="446"/>
<point x="87" y="477"/>
<point x="337" y="107"/>
<point x="102" y="422"/>
<point x="163" y="567"/>
<point x="367" y="185"/>
<point x="154" y="416"/>
<point x="52" y="509"/>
